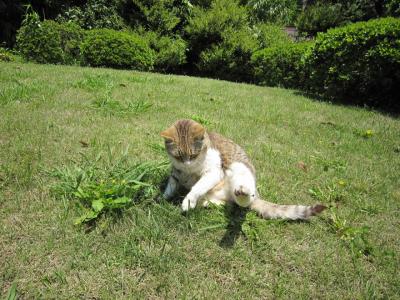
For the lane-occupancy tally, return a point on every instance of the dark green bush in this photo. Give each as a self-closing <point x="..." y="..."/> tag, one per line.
<point x="221" y="41"/>
<point x="39" y="42"/>
<point x="322" y="15"/>
<point x="207" y="28"/>
<point x="116" y="49"/>
<point x="358" y="63"/>
<point x="165" y="17"/>
<point x="202" y="3"/>
<point x="273" y="11"/>
<point x="361" y="10"/>
<point x="392" y="8"/>
<point x="49" y="41"/>
<point x="71" y="37"/>
<point x="211" y="23"/>
<point x="94" y="14"/>
<point x="319" y="18"/>
<point x="170" y="51"/>
<point x="269" y="35"/>
<point x="230" y="59"/>
<point x="281" y="65"/>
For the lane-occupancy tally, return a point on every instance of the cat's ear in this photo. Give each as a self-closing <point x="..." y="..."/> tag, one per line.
<point x="198" y="131"/>
<point x="168" y="134"/>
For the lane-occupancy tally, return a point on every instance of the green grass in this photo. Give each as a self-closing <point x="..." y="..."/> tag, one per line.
<point x="60" y="126"/>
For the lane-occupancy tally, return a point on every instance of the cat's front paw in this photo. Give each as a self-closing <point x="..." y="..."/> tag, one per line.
<point x="188" y="203"/>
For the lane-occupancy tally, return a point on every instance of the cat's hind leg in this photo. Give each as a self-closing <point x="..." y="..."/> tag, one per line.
<point x="242" y="184"/>
<point x="218" y="195"/>
<point x="243" y="188"/>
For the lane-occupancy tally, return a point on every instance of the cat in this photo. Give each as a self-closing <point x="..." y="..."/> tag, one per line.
<point x="215" y="169"/>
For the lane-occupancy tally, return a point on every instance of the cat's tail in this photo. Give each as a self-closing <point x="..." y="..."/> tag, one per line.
<point x="270" y="210"/>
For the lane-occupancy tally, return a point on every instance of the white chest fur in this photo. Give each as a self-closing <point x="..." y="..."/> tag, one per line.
<point x="192" y="171"/>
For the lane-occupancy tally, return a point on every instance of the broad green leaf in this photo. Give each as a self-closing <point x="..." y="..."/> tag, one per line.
<point x="89" y="215"/>
<point x="122" y="200"/>
<point x="119" y="202"/>
<point x="98" y="205"/>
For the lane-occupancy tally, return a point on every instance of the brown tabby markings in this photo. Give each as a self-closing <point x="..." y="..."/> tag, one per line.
<point x="230" y="152"/>
<point x="182" y="136"/>
<point x="184" y="132"/>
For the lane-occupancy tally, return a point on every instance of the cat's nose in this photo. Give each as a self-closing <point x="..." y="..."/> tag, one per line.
<point x="187" y="162"/>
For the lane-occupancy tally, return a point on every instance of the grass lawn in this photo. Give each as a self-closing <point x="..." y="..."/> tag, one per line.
<point x="57" y="122"/>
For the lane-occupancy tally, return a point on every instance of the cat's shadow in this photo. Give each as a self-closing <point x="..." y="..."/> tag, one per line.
<point x="233" y="213"/>
<point x="236" y="216"/>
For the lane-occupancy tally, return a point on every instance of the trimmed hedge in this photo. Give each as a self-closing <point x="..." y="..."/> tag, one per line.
<point x="358" y="63"/>
<point x="122" y="50"/>
<point x="281" y="65"/>
<point x="49" y="41"/>
<point x="71" y="36"/>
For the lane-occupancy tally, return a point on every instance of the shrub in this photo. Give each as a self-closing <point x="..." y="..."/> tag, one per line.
<point x="49" y="41"/>
<point x="319" y="18"/>
<point x="273" y="11"/>
<point x="269" y="35"/>
<point x="220" y="41"/>
<point x="281" y="65"/>
<point x="115" y="49"/>
<point x="323" y="15"/>
<point x="361" y="10"/>
<point x="6" y="55"/>
<point x="94" y="14"/>
<point x="207" y="27"/>
<point x="39" y="42"/>
<point x="358" y="63"/>
<point x="162" y="16"/>
<point x="71" y="36"/>
<point x="392" y="8"/>
<point x="230" y="59"/>
<point x="202" y="3"/>
<point x="170" y="51"/>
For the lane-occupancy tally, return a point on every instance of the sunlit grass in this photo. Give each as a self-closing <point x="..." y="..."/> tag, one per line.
<point x="75" y="140"/>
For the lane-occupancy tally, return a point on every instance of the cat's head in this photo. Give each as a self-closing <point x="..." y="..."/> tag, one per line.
<point x="185" y="141"/>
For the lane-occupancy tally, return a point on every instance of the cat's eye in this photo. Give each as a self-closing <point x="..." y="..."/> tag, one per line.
<point x="197" y="145"/>
<point x="193" y="156"/>
<point x="178" y="157"/>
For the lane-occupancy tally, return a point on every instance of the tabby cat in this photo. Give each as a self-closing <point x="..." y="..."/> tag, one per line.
<point x="215" y="169"/>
